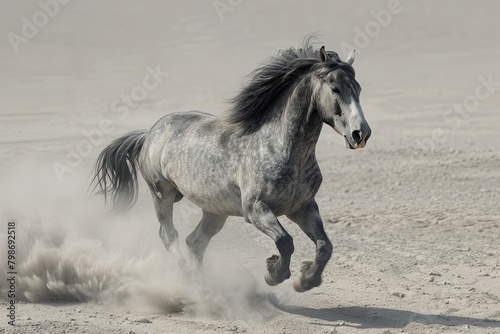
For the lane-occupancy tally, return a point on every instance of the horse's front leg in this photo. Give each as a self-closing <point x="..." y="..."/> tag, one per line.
<point x="261" y="216"/>
<point x="310" y="222"/>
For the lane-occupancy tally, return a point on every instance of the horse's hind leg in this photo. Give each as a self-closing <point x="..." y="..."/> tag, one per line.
<point x="164" y="195"/>
<point x="310" y="222"/>
<point x="198" y="240"/>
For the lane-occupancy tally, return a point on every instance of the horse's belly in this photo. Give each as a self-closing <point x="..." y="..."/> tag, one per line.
<point x="208" y="185"/>
<point x="219" y="201"/>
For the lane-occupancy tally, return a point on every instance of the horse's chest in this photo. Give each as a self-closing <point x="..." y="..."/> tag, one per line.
<point x="289" y="189"/>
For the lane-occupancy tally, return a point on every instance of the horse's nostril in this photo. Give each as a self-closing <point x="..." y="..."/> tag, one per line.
<point x="368" y="135"/>
<point x="357" y="136"/>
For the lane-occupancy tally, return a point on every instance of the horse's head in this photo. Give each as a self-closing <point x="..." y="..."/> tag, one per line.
<point x="338" y="100"/>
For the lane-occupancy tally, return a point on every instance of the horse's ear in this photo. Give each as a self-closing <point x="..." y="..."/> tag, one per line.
<point x="350" y="59"/>
<point x="322" y="54"/>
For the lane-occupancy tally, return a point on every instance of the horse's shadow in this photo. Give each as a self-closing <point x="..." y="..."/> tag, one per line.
<point x="375" y="317"/>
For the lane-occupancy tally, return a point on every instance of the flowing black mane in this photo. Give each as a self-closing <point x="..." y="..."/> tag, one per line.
<point x="251" y="107"/>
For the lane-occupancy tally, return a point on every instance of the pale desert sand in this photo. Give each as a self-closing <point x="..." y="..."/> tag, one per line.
<point x="414" y="216"/>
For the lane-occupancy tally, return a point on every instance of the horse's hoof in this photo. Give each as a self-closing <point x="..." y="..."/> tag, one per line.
<point x="297" y="285"/>
<point x="269" y="280"/>
<point x="307" y="280"/>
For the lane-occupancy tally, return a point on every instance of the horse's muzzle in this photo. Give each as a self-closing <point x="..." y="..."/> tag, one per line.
<point x="358" y="139"/>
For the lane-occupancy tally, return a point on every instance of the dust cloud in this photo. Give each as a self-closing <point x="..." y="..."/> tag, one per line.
<point x="70" y="249"/>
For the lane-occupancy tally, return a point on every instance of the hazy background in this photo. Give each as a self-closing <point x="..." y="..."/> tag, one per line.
<point x="64" y="79"/>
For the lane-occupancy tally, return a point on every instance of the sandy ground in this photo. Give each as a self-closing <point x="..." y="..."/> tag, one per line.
<point x="414" y="216"/>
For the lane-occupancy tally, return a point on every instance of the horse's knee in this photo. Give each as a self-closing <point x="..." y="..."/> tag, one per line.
<point x="284" y="243"/>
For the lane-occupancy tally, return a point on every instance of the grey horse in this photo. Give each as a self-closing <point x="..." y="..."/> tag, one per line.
<point x="257" y="160"/>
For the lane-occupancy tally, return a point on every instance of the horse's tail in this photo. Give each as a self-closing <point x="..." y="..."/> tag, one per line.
<point x="115" y="172"/>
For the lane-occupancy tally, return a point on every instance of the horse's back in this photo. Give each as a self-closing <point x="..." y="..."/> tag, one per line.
<point x="174" y="123"/>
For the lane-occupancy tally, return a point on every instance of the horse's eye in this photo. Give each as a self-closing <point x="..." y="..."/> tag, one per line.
<point x="335" y="90"/>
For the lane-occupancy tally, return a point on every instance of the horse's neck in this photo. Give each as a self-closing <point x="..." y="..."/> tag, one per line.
<point x="300" y="122"/>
